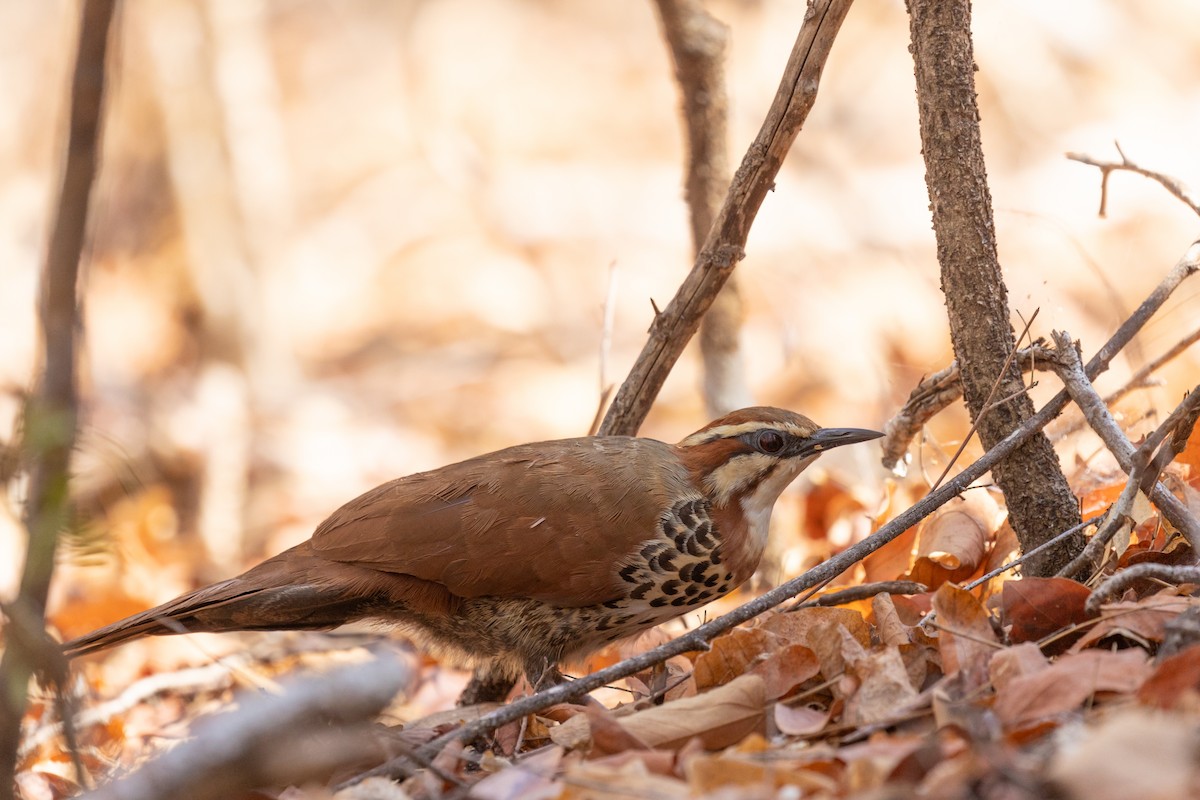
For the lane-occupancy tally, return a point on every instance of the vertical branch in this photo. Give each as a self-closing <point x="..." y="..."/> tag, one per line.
<point x="723" y="247"/>
<point x="50" y="417"/>
<point x="699" y="43"/>
<point x="1040" y="501"/>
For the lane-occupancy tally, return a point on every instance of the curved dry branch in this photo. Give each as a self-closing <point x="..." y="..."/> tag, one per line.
<point x="1173" y="185"/>
<point x="674" y="326"/>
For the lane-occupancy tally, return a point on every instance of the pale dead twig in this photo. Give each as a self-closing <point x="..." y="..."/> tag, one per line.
<point x="606" y="332"/>
<point x="940" y="390"/>
<point x="1145" y="467"/>
<point x="1173" y="185"/>
<point x="53" y="410"/>
<point x="1016" y="562"/>
<point x="1140" y="378"/>
<point x="1079" y="386"/>
<point x="937" y="392"/>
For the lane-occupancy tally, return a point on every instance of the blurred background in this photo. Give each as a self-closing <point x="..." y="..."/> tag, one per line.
<point x="338" y="242"/>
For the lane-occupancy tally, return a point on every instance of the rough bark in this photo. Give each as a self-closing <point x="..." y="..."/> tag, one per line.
<point x="1040" y="501"/>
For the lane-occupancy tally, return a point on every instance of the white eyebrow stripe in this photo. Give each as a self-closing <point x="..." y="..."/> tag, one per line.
<point x="731" y="431"/>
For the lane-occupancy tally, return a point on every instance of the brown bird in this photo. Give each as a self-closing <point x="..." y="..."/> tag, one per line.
<point x="520" y="559"/>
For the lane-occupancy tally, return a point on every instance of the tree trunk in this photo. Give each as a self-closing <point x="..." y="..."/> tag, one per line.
<point x="1040" y="502"/>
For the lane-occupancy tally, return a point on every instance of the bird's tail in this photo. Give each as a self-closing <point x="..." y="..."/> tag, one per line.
<point x="291" y="591"/>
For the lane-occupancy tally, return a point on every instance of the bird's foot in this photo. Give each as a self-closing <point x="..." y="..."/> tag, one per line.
<point x="486" y="687"/>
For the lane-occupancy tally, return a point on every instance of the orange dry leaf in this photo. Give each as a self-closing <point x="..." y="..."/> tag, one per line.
<point x="888" y="625"/>
<point x="709" y="773"/>
<point x="608" y="734"/>
<point x="1038" y="607"/>
<point x="818" y="630"/>
<point x="800" y="720"/>
<point x="967" y="640"/>
<point x="1190" y="458"/>
<point x="732" y="655"/>
<point x="884" y="689"/>
<point x="952" y="542"/>
<point x="786" y="669"/>
<point x="719" y="717"/>
<point x="892" y="560"/>
<point x="625" y="778"/>
<point x="1067" y="683"/>
<point x="1096" y="499"/>
<point x="827" y="503"/>
<point x="1143" y="620"/>
<point x="1175" y="683"/>
<point x="1014" y="662"/>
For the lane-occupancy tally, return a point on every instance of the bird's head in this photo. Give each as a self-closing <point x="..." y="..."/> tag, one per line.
<point x="748" y="457"/>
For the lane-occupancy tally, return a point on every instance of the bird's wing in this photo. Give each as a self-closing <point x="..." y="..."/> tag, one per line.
<point x="553" y="521"/>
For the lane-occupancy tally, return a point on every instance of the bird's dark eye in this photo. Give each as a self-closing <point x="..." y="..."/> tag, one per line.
<point x="770" y="442"/>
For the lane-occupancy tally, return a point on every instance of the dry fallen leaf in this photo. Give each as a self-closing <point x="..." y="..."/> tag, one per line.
<point x="1142" y="620"/>
<point x="819" y="629"/>
<point x="532" y="779"/>
<point x="1013" y="662"/>
<point x="952" y="542"/>
<point x="1132" y="753"/>
<point x="888" y="625"/>
<point x="883" y="690"/>
<point x="786" y="669"/>
<point x="1175" y="683"/>
<point x="732" y="655"/>
<point x="1035" y="608"/>
<point x="719" y="717"/>
<point x="799" y="720"/>
<point x="1068" y="682"/>
<point x="966" y="639"/>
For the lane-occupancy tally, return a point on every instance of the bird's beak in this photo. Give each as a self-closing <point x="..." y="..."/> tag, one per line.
<point x="828" y="438"/>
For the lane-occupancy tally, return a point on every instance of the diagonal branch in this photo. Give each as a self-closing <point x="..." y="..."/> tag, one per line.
<point x="724" y="248"/>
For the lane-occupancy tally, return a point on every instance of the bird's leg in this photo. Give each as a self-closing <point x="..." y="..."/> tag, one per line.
<point x="487" y="685"/>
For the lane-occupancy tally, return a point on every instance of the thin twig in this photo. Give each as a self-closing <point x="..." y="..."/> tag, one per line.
<point x="1138" y="379"/>
<point x="1130" y="575"/>
<point x="864" y="592"/>
<point x="987" y="403"/>
<point x="935" y="393"/>
<point x="606" y="333"/>
<point x="1145" y="467"/>
<point x="1173" y="185"/>
<point x="1079" y="386"/>
<point x="1016" y="562"/>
